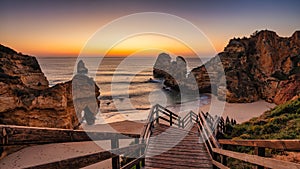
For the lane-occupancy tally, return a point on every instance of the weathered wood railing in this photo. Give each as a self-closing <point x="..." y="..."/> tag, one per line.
<point x="159" y="113"/>
<point x="208" y="128"/>
<point x="22" y="135"/>
<point x="259" y="158"/>
<point x="219" y="155"/>
<point x="208" y="137"/>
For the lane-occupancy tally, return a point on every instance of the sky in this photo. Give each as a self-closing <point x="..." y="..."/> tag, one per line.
<point x="62" y="28"/>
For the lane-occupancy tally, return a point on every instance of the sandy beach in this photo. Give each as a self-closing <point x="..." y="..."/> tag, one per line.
<point x="40" y="154"/>
<point x="242" y="112"/>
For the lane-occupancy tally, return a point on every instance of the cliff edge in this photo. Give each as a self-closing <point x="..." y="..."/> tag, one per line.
<point x="263" y="66"/>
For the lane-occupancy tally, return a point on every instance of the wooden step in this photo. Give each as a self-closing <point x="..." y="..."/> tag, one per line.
<point x="158" y="135"/>
<point x="171" y="147"/>
<point x="169" y="138"/>
<point x="193" y="129"/>
<point x="175" y="164"/>
<point x="182" y="155"/>
<point x="189" y="161"/>
<point x="176" y="130"/>
<point x="174" y="145"/>
<point x="176" y="151"/>
<point x="176" y="141"/>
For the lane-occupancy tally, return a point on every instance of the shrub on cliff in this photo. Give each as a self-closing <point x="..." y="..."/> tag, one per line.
<point x="281" y="122"/>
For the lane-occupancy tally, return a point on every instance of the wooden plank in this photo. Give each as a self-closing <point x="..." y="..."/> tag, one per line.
<point x="262" y="161"/>
<point x="134" y="162"/>
<point x="167" y="120"/>
<point x="22" y="135"/>
<point x="163" y="118"/>
<point x="86" y="160"/>
<point x="149" y="119"/>
<point x="169" y="115"/>
<point x="290" y="145"/>
<point x="167" y="110"/>
<point x="219" y="165"/>
<point x="208" y="129"/>
<point x="188" y="153"/>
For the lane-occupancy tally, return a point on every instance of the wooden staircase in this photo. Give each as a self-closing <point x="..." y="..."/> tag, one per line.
<point x="167" y="141"/>
<point x="172" y="147"/>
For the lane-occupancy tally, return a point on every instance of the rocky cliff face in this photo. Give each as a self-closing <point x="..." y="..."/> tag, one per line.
<point x="264" y="66"/>
<point x="26" y="99"/>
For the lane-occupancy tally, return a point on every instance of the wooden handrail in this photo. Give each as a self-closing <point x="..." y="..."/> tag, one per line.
<point x="254" y="159"/>
<point x="188" y="118"/>
<point x="149" y="121"/>
<point x="289" y="145"/>
<point x="23" y="135"/>
<point x="207" y="135"/>
<point x="213" y="147"/>
<point x="208" y="129"/>
<point x="163" y="108"/>
<point x="135" y="162"/>
<point x="86" y="160"/>
<point x="171" y="115"/>
<point x="167" y="120"/>
<point x="206" y="123"/>
<point x="219" y="165"/>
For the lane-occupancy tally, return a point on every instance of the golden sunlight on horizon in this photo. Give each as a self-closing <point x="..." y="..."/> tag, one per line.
<point x="70" y="47"/>
<point x="150" y="42"/>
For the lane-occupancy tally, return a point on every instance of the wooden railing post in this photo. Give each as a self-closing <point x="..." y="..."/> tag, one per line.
<point x="171" y="114"/>
<point x="179" y="122"/>
<point x="115" y="160"/>
<point x="224" y="158"/>
<point x="138" y="152"/>
<point x="143" y="152"/>
<point x="260" y="151"/>
<point x="156" y="114"/>
<point x="215" y="156"/>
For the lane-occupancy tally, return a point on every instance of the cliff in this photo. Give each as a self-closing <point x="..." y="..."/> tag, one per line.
<point x="263" y="66"/>
<point x="27" y="100"/>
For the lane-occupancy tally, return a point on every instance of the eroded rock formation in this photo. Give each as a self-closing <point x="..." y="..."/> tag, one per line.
<point x="263" y="66"/>
<point x="26" y="99"/>
<point x="174" y="72"/>
<point x="162" y="66"/>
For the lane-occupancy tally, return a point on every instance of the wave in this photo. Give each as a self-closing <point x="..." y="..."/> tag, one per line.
<point x="122" y="74"/>
<point x="122" y="96"/>
<point x="123" y="82"/>
<point x="122" y="110"/>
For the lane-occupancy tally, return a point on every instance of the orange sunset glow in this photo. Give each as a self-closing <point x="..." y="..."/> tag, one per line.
<point x="63" y="28"/>
<point x="149" y="42"/>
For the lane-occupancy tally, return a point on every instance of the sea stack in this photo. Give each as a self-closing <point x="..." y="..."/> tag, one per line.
<point x="174" y="72"/>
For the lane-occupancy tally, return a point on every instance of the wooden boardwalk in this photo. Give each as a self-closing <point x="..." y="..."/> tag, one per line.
<point x="167" y="141"/>
<point x="171" y="147"/>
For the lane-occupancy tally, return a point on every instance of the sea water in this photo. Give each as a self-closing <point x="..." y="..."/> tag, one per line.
<point x="126" y="93"/>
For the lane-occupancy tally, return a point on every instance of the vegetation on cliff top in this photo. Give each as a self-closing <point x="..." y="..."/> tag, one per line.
<point x="281" y="122"/>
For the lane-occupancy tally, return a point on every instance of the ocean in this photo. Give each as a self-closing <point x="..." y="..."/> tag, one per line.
<point x="126" y="93"/>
